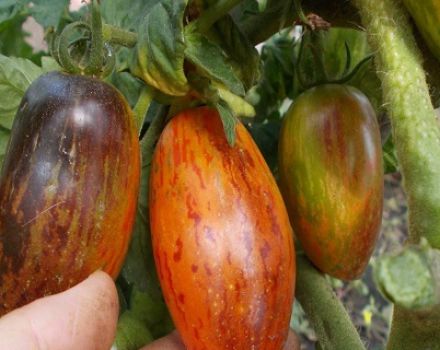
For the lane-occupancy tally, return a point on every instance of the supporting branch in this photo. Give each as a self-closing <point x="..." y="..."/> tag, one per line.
<point x="328" y="317"/>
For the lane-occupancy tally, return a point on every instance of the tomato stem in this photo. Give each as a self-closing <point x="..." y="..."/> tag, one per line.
<point x="119" y="36"/>
<point x="95" y="61"/>
<point x="213" y="14"/>
<point x="416" y="137"/>
<point x="142" y="105"/>
<point x="324" y="310"/>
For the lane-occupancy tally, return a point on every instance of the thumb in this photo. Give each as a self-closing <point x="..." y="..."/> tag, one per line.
<point x="83" y="317"/>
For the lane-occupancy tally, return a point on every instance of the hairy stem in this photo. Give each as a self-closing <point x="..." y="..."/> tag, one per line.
<point x="406" y="95"/>
<point x="328" y="317"/>
<point x="118" y="36"/>
<point x="415" y="330"/>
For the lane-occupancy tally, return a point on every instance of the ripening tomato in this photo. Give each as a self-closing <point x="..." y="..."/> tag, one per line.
<point x="330" y="164"/>
<point x="68" y="189"/>
<point x="222" y="240"/>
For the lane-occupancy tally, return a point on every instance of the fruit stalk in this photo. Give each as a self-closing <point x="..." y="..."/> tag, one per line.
<point x="324" y="310"/>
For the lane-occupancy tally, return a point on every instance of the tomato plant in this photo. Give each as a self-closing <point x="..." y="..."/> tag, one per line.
<point x="210" y="217"/>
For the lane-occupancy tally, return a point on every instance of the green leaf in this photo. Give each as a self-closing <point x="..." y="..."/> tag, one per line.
<point x="266" y="137"/>
<point x="16" y="74"/>
<point x="243" y="57"/>
<point x="139" y="268"/>
<point x="13" y="39"/>
<point x="149" y="310"/>
<point x="212" y="60"/>
<point x="10" y="9"/>
<point x="49" y="64"/>
<point x="131" y="334"/>
<point x="390" y="162"/>
<point x="48" y="12"/>
<point x="128" y="85"/>
<point x="228" y="120"/>
<point x="127" y="14"/>
<point x="160" y="50"/>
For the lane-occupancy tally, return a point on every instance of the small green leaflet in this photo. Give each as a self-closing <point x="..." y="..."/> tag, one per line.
<point x="131" y="333"/>
<point x="16" y="74"/>
<point x="48" y="12"/>
<point x="211" y="59"/>
<point x="160" y="49"/>
<point x="228" y="120"/>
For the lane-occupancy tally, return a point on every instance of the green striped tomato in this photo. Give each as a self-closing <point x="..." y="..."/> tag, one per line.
<point x="331" y="175"/>
<point x="68" y="188"/>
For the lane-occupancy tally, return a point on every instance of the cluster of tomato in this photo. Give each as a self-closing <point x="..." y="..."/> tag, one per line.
<point x="222" y="238"/>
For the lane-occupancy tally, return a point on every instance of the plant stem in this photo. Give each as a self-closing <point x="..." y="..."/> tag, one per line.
<point x="328" y="317"/>
<point x="260" y="26"/>
<point x="213" y="13"/>
<point x="412" y="330"/>
<point x="405" y="94"/>
<point x="118" y="36"/>
<point x="143" y="103"/>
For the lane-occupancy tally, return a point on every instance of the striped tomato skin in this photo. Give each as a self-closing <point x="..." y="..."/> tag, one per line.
<point x="331" y="175"/>
<point x="222" y="240"/>
<point x="68" y="189"/>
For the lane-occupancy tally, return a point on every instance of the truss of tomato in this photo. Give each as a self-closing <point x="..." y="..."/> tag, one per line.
<point x="330" y="165"/>
<point x="68" y="189"/>
<point x="222" y="240"/>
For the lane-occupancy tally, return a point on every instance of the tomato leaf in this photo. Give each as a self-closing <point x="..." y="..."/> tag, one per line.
<point x="10" y="9"/>
<point x="48" y="12"/>
<point x="212" y="61"/>
<point x="243" y="57"/>
<point x="131" y="333"/>
<point x="390" y="162"/>
<point x="160" y="50"/>
<point x="16" y="74"/>
<point x="127" y="14"/>
<point x="228" y="119"/>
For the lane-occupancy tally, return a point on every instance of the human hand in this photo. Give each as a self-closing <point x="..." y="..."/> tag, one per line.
<point x="83" y="317"/>
<point x="173" y="342"/>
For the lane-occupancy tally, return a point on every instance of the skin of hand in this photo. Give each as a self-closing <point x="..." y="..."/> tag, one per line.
<point x="173" y="342"/>
<point x="83" y="317"/>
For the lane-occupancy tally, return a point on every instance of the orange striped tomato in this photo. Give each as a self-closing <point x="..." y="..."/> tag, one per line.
<point x="221" y="237"/>
<point x="68" y="190"/>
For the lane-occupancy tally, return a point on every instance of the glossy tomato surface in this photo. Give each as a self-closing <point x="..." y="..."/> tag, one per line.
<point x="68" y="189"/>
<point x="330" y="164"/>
<point x="221" y="237"/>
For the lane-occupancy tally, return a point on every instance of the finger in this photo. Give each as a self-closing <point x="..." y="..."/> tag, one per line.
<point x="83" y="317"/>
<point x="173" y="342"/>
<point x="170" y="342"/>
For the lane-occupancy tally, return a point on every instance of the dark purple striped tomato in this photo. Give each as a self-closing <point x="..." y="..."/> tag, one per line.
<point x="330" y="163"/>
<point x="222" y="239"/>
<point x="68" y="189"/>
